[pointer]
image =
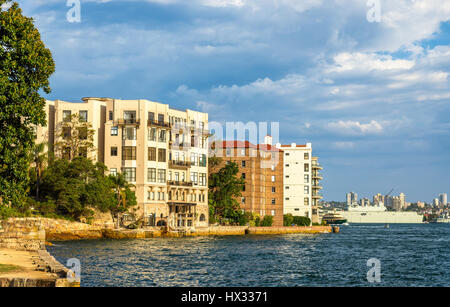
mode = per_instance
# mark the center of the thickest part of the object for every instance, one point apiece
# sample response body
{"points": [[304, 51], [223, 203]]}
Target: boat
{"points": [[334, 219]]}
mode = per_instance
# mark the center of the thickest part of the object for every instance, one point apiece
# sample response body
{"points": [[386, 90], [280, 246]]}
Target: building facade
{"points": [[261, 166], [316, 187], [161, 151], [297, 179]]}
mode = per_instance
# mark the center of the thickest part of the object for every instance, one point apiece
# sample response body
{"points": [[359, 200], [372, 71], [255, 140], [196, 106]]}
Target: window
{"points": [[152, 134], [306, 178], [287, 187], [306, 190], [242, 152], [243, 188], [113, 151], [67, 114], [243, 200], [161, 176], [128, 153], [129, 174], [129, 117], [306, 156], [202, 218], [287, 165], [228, 152], [129, 133], [194, 178], [151, 117], [243, 163], [202, 179], [151, 175], [83, 116], [162, 135], [114, 131], [272, 212], [177, 176], [243, 176], [306, 167], [273, 178], [161, 118], [306, 200], [193, 141], [194, 159], [161, 155], [202, 160], [113, 171], [273, 167], [273, 201], [287, 154], [111, 117], [152, 154], [273, 189]]}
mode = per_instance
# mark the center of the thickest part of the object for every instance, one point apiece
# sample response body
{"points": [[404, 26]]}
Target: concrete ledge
{"points": [[288, 230]]}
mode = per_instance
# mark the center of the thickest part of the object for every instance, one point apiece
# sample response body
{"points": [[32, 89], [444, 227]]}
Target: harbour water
{"points": [[410, 255]]}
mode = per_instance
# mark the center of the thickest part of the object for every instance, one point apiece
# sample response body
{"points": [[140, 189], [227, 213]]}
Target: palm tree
{"points": [[39, 159], [125, 199]]}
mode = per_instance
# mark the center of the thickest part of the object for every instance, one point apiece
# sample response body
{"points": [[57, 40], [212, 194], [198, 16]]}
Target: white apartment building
{"points": [[297, 179]]}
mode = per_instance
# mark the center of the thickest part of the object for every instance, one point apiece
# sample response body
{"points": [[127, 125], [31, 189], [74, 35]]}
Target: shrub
{"points": [[267, 221]]}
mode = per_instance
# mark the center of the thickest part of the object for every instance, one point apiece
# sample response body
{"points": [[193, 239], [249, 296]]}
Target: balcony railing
{"points": [[129, 121], [158, 123], [179, 164], [180, 183]]}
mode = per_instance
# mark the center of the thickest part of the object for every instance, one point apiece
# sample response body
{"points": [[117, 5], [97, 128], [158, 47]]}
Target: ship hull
{"points": [[382, 217]]}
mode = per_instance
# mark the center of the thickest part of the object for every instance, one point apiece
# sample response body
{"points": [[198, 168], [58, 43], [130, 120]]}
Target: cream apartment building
{"points": [[298, 181], [161, 151]]}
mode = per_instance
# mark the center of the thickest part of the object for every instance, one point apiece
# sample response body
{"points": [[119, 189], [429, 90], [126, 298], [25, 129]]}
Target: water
{"points": [[410, 255]]}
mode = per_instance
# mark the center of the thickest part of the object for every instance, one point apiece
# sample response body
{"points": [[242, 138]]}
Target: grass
{"points": [[8, 268]]}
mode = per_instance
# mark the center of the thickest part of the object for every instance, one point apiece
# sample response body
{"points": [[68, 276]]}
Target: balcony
{"points": [[127, 122], [179, 164], [316, 187], [317, 166], [154, 123], [178, 146], [317, 196], [317, 177], [180, 183]]}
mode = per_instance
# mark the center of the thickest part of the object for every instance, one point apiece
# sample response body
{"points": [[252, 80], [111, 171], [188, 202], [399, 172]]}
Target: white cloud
{"points": [[368, 62], [355, 127]]}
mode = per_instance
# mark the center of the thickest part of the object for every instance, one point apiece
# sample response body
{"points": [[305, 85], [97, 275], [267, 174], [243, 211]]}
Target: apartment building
{"points": [[261, 166], [161, 151], [316, 187], [297, 179]]}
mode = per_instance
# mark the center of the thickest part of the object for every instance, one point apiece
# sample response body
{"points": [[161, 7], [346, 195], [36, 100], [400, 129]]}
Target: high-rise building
{"points": [[352, 199], [316, 187], [161, 151], [378, 199], [402, 198], [298, 179], [443, 199]]}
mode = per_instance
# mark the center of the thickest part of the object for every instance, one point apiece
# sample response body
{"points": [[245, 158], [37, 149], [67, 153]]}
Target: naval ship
{"points": [[377, 214]]}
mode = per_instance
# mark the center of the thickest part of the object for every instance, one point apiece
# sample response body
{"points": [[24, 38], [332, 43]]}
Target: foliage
{"points": [[39, 158], [25, 67], [267, 221], [75, 138], [289, 220], [224, 187], [124, 197], [73, 188]]}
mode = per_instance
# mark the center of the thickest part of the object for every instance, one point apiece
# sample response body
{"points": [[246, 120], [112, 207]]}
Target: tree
{"points": [[75, 137], [224, 188], [25, 67], [39, 157], [125, 198]]}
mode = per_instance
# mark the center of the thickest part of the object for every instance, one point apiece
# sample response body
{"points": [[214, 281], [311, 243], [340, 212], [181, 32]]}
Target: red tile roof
{"points": [[247, 144]]}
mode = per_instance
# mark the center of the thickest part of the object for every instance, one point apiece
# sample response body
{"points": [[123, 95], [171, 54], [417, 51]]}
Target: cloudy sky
{"points": [[372, 97]]}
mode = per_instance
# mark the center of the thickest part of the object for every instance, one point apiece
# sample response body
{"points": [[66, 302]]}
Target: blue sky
{"points": [[373, 98]]}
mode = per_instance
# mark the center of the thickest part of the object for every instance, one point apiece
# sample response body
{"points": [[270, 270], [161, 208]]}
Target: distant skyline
{"points": [[372, 97]]}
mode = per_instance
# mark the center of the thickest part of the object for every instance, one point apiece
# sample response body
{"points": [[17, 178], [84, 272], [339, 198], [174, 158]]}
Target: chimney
{"points": [[268, 140]]}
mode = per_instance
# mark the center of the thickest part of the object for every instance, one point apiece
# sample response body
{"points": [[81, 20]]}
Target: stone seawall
{"points": [[288, 230], [22, 234]]}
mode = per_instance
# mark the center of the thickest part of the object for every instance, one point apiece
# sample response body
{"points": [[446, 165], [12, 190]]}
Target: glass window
{"points": [[129, 117], [161, 175], [273, 178], [111, 117], [113, 171], [273, 201], [67, 115], [114, 151], [161, 118], [306, 178], [152, 154], [129, 174], [83, 116], [162, 135], [306, 201], [243, 163], [306, 156], [129, 133], [152, 134], [161, 155], [203, 179], [128, 153], [151, 175], [114, 131], [151, 117], [306, 167], [273, 189], [306, 189]]}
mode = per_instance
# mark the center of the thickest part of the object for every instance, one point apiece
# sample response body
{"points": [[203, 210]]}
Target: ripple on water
{"points": [[410, 255]]}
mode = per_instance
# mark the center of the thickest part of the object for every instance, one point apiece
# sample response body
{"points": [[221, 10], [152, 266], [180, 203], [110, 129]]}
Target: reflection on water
{"points": [[410, 255]]}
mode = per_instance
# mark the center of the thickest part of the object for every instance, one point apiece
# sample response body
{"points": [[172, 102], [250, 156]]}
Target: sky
{"points": [[372, 96]]}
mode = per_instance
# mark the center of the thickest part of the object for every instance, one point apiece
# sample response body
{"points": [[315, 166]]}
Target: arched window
{"points": [[202, 218]]}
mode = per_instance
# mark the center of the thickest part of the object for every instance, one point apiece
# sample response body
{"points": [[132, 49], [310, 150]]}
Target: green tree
{"points": [[125, 198], [75, 137], [267, 221], [224, 188], [25, 67], [39, 158]]}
